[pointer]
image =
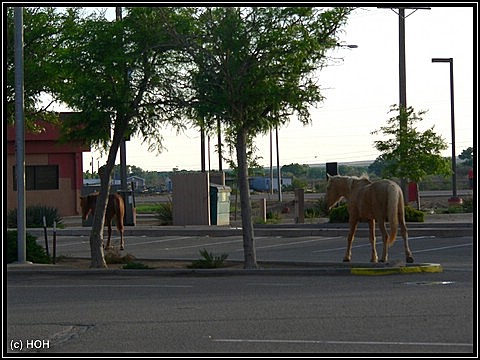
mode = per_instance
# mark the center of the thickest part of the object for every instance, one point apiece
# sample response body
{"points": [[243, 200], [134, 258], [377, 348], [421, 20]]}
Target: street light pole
{"points": [[454, 199]]}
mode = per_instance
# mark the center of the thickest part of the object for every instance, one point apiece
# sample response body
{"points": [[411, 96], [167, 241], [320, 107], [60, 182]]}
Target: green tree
{"points": [[40, 47], [295, 170], [409, 153], [255, 68], [467, 156], [120, 77]]}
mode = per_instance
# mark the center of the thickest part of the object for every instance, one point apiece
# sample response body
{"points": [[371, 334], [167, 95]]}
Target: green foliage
{"points": [[41, 49], [467, 156], [468, 205], [273, 217], [164, 213], [295, 170], [414, 215], [338, 214], [34, 252], [209, 261], [146, 208], [320, 207], [407, 152], [136, 265], [34, 217]]}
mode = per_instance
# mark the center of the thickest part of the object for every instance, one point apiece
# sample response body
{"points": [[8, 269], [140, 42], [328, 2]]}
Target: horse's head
{"points": [[334, 192], [87, 204]]}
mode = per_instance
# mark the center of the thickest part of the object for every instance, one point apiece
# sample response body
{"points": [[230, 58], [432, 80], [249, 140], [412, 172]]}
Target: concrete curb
{"points": [[295, 269]]}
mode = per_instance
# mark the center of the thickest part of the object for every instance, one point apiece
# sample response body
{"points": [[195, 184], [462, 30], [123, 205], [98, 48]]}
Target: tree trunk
{"points": [[245, 205], [96, 235]]}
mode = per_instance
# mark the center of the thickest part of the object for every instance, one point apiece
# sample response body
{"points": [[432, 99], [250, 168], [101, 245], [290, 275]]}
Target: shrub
{"points": [[164, 213], [414, 215], [136, 265], [34, 216], [468, 205], [209, 261], [319, 209], [338, 214], [113, 256], [34, 252]]}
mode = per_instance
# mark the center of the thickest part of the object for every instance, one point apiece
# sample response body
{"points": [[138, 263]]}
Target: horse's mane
{"points": [[364, 176]]}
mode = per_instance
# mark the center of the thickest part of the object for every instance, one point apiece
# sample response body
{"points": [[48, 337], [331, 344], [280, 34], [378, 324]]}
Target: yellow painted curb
{"points": [[429, 268]]}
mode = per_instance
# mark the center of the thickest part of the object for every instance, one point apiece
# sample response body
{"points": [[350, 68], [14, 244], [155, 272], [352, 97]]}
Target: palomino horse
{"points": [[380, 200], [115, 207]]}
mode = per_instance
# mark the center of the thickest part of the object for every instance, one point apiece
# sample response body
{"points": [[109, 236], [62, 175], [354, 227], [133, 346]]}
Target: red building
{"points": [[53, 171]]}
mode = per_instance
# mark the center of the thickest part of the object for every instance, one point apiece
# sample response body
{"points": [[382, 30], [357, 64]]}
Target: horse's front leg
{"points": [[371, 225], [351, 234]]}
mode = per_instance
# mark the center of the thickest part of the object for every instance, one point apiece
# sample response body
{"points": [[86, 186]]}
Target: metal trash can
{"points": [[219, 204]]}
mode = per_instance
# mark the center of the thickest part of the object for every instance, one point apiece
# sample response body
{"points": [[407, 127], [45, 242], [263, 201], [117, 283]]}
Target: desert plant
{"points": [[34, 216], [164, 213], [209, 261]]}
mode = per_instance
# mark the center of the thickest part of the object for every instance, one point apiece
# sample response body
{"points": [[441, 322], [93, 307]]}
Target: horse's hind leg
{"points": [[122, 242], [109, 235], [383, 230], [371, 225], [408, 252]]}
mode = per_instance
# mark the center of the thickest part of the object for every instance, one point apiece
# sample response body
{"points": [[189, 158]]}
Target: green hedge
{"points": [[339, 214], [34, 252]]}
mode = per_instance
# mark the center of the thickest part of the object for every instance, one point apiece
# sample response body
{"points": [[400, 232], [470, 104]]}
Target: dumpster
{"points": [[219, 204]]}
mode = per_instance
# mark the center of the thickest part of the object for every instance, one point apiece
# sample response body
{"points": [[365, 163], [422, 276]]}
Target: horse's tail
{"points": [[395, 206]]}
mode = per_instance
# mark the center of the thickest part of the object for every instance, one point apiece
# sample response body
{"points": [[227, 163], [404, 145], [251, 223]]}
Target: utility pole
{"points": [[402, 75], [279, 171], [219, 135], [123, 150], [20, 136]]}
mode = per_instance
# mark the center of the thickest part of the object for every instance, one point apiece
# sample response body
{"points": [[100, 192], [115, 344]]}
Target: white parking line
{"points": [[294, 243], [442, 248], [340, 248]]}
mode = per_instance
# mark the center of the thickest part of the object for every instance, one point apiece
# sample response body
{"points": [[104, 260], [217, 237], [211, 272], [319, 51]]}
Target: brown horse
{"points": [[380, 200], [115, 207]]}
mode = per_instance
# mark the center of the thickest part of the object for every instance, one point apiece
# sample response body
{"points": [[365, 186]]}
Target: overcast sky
{"points": [[359, 91]]}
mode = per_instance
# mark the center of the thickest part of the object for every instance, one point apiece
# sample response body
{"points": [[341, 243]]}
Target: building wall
{"points": [[44, 149], [66, 199]]}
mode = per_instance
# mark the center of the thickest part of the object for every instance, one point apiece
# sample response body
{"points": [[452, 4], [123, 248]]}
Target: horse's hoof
{"points": [[346, 260], [382, 260], [122, 248], [409, 259], [374, 261]]}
